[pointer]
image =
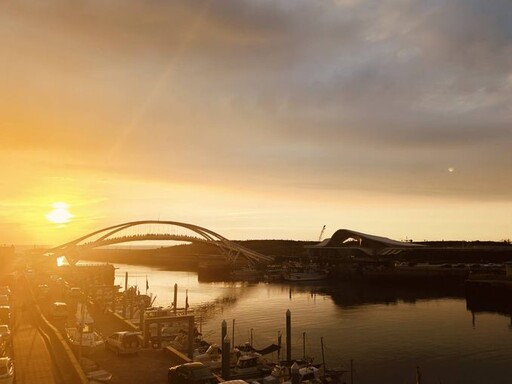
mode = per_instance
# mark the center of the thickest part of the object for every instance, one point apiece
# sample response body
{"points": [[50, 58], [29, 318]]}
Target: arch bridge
{"points": [[189, 233]]}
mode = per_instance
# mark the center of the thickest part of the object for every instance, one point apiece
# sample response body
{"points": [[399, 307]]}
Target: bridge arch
{"points": [[114, 235]]}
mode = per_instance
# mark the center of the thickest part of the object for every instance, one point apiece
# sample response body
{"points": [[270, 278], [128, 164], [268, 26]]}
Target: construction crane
{"points": [[321, 233]]}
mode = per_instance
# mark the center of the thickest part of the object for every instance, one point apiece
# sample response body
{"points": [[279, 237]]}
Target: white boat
{"points": [[250, 365], [88, 341], [212, 358]]}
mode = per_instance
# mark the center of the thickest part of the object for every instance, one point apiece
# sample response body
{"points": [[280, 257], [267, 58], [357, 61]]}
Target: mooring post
{"points": [[175, 298], [279, 344], [233, 334], [125, 299], [294, 370], [223, 331], [191, 336], [288, 335], [114, 296], [131, 306], [225, 357], [142, 309], [304, 345], [323, 355]]}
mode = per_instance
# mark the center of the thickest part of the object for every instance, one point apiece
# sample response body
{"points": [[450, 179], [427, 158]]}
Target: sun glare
{"points": [[60, 214]]}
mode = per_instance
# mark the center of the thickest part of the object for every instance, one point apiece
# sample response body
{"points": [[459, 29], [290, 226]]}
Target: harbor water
{"points": [[386, 332]]}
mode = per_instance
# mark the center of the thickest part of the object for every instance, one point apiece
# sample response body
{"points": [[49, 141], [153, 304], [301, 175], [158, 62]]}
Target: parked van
{"points": [[123, 342], [58, 310]]}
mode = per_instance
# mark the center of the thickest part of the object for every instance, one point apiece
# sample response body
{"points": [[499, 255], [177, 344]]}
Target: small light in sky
{"points": [[451, 169]]}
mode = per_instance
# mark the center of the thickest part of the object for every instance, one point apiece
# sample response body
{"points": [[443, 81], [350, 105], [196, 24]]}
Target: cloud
{"points": [[276, 91]]}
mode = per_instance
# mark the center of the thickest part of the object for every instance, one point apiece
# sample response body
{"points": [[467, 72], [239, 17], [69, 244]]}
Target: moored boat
{"points": [[87, 341], [306, 275], [212, 358], [250, 365], [281, 373]]}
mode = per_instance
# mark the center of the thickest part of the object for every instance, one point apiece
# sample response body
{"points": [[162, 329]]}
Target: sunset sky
{"points": [[257, 119]]}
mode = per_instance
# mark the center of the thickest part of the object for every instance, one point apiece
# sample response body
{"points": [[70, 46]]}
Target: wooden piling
{"points": [[304, 345], [223, 331], [175, 304], [288, 335], [279, 343], [351, 371], [295, 373], [418, 375], [225, 357], [125, 297], [323, 354], [233, 334]]}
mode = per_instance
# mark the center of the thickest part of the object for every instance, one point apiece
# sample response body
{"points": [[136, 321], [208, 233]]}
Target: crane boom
{"points": [[321, 233]]}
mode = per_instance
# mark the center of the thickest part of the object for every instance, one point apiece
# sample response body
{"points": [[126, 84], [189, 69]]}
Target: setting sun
{"points": [[59, 214]]}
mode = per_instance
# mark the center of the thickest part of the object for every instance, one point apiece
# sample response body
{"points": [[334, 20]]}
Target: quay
{"points": [[42, 354]]}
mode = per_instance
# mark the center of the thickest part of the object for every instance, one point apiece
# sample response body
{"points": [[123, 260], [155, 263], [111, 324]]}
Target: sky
{"points": [[257, 119]]}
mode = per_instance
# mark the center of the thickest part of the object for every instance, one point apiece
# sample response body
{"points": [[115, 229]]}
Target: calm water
{"points": [[387, 332]]}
